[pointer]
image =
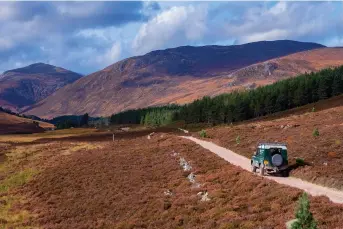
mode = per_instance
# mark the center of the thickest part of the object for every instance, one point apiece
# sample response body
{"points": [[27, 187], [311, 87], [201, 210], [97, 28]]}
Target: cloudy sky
{"points": [[88, 36]]}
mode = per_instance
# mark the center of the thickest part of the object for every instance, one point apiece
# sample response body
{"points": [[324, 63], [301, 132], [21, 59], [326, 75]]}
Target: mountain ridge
{"points": [[160, 77], [27, 85]]}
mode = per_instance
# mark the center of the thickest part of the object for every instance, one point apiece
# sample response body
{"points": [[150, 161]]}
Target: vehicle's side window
{"points": [[257, 152]]}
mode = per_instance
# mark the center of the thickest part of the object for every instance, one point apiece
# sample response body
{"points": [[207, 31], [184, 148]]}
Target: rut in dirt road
{"points": [[335, 196]]}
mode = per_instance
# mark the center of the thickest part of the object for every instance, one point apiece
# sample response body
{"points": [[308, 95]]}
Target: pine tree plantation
{"points": [[243, 105]]}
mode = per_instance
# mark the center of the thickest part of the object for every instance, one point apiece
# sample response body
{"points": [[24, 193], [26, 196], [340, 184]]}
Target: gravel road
{"points": [[335, 196]]}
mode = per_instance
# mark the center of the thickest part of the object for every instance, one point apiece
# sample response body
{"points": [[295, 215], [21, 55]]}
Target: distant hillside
{"points": [[12, 124], [291, 65], [160, 77], [25, 86]]}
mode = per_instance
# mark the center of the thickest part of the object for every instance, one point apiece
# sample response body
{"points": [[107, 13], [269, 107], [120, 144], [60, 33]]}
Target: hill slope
{"points": [[295, 127], [291, 65], [166, 76], [11, 124], [26, 86]]}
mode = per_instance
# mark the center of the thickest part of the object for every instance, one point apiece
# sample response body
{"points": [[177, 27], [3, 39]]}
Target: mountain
{"points": [[288, 66], [176, 75], [25, 86]]}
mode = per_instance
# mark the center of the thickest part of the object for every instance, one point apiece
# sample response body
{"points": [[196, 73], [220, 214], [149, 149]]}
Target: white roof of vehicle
{"points": [[272, 145]]}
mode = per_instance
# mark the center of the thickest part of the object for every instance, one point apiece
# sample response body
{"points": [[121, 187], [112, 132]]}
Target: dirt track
{"points": [[243, 162]]}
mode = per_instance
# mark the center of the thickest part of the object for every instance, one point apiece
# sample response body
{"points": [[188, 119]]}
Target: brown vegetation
{"points": [[323, 153], [289, 66], [11, 124], [123, 184]]}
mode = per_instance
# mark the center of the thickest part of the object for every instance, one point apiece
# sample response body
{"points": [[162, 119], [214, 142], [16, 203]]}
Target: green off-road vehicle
{"points": [[270, 157]]}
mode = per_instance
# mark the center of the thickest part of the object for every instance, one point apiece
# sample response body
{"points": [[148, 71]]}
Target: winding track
{"points": [[335, 196]]}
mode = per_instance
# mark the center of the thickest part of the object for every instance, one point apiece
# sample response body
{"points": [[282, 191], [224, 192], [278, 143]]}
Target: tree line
{"points": [[68, 121], [242, 105], [152, 116], [280, 96]]}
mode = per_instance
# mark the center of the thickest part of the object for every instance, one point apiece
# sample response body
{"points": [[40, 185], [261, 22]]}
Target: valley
{"points": [[145, 168], [171, 115]]}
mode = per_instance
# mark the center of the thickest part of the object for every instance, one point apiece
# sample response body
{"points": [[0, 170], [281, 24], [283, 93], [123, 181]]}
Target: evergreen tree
{"points": [[281, 102], [304, 217], [324, 87], [337, 84], [84, 120]]}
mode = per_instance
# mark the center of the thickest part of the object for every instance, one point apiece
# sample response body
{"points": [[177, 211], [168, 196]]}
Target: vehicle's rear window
{"points": [[275, 151]]}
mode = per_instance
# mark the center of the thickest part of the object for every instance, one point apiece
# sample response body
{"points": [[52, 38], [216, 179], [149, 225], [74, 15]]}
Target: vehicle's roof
{"points": [[271, 145]]}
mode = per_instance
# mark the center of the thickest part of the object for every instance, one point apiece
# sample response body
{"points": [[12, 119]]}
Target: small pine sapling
{"points": [[315, 132], [303, 215]]}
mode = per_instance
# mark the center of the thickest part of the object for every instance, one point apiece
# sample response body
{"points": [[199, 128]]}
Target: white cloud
{"points": [[335, 41], [5, 43], [285, 20], [78, 9], [279, 8], [111, 56], [88, 36], [269, 35], [7, 10], [175, 26], [81, 36]]}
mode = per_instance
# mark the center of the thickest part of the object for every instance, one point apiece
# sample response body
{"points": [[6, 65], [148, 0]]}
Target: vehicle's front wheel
{"points": [[262, 170], [253, 168]]}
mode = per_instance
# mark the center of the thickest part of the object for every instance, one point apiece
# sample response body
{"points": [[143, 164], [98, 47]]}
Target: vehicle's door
{"points": [[256, 157]]}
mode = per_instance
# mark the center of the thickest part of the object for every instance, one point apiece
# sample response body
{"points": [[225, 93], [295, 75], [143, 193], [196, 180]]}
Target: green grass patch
{"points": [[16, 180]]}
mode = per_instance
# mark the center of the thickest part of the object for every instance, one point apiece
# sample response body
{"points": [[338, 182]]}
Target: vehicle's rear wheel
{"points": [[285, 173], [262, 170], [253, 168]]}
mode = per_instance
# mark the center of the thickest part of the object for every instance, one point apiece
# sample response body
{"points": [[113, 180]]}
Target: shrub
{"points": [[300, 161], [166, 205], [203, 134], [238, 140], [315, 132], [313, 109], [303, 215]]}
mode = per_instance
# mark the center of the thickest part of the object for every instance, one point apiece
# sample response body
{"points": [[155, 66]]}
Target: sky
{"points": [[88, 36]]}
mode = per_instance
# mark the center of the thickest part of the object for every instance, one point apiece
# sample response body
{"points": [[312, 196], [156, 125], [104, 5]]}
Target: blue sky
{"points": [[88, 36]]}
